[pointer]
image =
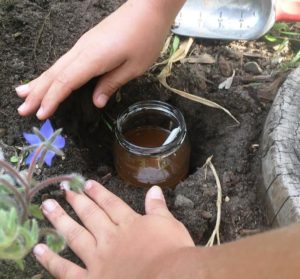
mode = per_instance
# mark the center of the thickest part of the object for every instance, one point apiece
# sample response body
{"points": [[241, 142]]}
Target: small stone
{"points": [[206, 215], [225, 67], [2, 132], [103, 170], [253, 67], [1, 154], [182, 201], [227, 199]]}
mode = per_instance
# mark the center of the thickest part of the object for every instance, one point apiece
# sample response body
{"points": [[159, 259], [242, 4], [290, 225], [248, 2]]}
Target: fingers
{"points": [[69, 73], [37, 88], [118, 211], [57, 265], [77, 237], [111, 82], [53, 87], [91, 215], [23, 90], [155, 203]]}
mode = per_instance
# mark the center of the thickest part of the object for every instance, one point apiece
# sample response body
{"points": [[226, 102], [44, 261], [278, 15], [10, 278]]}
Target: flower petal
{"points": [[29, 158], [47, 129], [48, 158], [31, 138], [59, 142]]}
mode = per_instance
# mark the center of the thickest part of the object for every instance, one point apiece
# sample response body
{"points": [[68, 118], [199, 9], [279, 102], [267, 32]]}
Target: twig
{"points": [[39, 35], [253, 55], [216, 231]]}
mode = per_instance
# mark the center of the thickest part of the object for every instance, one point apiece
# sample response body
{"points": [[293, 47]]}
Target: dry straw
{"points": [[216, 231], [178, 55]]}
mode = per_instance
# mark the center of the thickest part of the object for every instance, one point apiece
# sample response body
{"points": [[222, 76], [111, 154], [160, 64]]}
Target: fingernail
{"points": [[88, 185], [156, 193], [49, 205], [65, 186], [23, 89], [22, 108], [101, 100], [40, 112], [39, 250]]}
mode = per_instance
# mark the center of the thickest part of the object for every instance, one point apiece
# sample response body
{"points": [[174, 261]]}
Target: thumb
{"points": [[109, 83], [155, 203]]}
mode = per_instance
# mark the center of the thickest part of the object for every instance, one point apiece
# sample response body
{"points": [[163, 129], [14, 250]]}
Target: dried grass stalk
{"points": [[216, 231], [180, 54]]}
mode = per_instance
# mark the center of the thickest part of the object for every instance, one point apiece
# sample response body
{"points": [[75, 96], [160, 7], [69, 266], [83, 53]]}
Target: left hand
{"points": [[118, 49], [115, 241]]}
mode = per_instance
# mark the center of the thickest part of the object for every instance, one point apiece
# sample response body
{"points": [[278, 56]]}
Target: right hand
{"points": [[118, 49], [115, 241]]}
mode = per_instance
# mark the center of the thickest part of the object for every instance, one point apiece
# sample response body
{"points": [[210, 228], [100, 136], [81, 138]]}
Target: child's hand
{"points": [[118, 49], [116, 242]]}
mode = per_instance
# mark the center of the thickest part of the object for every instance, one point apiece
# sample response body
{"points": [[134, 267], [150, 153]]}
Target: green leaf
{"points": [[36, 212], [290, 33], [14, 159], [55, 242], [20, 264], [271, 38], [175, 45], [280, 47], [281, 26], [295, 59], [16, 239], [76, 183]]}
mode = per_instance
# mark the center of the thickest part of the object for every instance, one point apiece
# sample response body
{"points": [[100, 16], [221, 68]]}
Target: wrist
{"points": [[184, 262]]}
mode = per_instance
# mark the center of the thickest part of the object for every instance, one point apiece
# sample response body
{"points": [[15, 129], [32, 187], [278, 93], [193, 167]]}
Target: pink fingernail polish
{"points": [[39, 250], [22, 89], [49, 205]]}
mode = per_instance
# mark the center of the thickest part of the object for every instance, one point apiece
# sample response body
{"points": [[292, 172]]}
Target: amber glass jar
{"points": [[151, 145]]}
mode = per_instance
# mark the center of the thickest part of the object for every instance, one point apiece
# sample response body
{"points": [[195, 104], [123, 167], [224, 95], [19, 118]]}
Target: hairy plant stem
{"points": [[8, 168], [33, 163], [18, 196], [40, 186], [40, 162]]}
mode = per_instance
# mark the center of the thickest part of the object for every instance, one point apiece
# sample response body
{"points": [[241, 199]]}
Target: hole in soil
{"points": [[211, 132], [91, 128]]}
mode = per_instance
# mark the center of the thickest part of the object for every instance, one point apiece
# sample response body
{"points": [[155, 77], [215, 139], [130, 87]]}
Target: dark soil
{"points": [[34, 33]]}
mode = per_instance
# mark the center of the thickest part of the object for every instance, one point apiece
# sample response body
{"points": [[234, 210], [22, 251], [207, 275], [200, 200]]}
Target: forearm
{"points": [[170, 8], [273, 255], [167, 9]]}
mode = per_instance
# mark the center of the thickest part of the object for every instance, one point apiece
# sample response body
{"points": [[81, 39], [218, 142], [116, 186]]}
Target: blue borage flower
{"points": [[52, 140]]}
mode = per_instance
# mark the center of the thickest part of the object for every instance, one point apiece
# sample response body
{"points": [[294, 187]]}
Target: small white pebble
{"points": [[227, 199]]}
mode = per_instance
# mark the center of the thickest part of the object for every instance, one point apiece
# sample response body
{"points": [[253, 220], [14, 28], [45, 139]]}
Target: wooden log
{"points": [[281, 154]]}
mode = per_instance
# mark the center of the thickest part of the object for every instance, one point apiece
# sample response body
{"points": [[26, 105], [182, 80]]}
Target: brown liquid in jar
{"points": [[165, 170]]}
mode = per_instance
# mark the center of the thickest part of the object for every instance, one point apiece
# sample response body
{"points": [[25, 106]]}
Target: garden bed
{"points": [[34, 34]]}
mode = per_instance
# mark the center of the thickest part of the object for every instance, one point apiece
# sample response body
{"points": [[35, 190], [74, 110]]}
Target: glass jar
{"points": [[151, 145]]}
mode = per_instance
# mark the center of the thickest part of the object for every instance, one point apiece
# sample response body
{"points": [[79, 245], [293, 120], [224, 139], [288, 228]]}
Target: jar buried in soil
{"points": [[141, 154]]}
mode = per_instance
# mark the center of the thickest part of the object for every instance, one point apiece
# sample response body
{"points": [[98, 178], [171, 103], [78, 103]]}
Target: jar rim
{"points": [[156, 106]]}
